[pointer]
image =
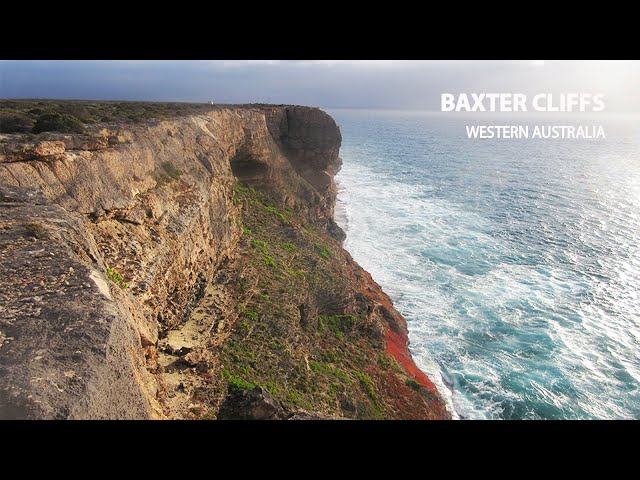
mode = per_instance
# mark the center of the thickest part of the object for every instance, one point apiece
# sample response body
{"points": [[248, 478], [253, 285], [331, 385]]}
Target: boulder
{"points": [[256, 404], [202, 360]]}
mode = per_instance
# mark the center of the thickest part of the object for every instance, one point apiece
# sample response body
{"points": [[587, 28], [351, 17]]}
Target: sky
{"points": [[387, 84]]}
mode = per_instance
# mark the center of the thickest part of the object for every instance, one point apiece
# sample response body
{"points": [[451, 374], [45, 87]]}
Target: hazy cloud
{"points": [[327, 83]]}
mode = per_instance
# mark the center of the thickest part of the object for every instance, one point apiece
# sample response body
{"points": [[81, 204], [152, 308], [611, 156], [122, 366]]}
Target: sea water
{"points": [[516, 262]]}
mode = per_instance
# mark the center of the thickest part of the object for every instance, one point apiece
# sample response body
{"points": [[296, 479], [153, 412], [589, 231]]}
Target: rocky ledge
{"points": [[189, 267]]}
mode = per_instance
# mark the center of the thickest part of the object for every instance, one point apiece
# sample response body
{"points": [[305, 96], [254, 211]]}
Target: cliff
{"points": [[189, 267]]}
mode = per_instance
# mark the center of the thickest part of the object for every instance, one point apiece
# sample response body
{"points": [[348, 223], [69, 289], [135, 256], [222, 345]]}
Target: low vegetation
{"points": [[15, 122], [292, 335], [116, 277], [411, 383], [71, 116], [337, 324], [289, 246], [57, 122], [324, 251]]}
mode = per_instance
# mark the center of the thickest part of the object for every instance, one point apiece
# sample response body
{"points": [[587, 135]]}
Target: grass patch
{"points": [[326, 369], [241, 352], [246, 369], [367, 384], [272, 388], [324, 251], [269, 261], [244, 190], [251, 314], [282, 216], [237, 384], [337, 324], [246, 231], [384, 361], [116, 277], [289, 246], [296, 273], [329, 357], [295, 398], [261, 245]]}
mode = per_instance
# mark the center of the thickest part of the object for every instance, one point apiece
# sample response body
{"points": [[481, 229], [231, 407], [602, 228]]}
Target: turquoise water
{"points": [[515, 262]]}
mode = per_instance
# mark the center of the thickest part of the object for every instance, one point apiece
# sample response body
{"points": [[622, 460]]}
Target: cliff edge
{"points": [[188, 266]]}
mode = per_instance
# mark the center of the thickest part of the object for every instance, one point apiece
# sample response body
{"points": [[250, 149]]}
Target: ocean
{"points": [[516, 262]]}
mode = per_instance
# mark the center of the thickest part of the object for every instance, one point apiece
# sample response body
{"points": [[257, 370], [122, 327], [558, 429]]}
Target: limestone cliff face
{"points": [[157, 204]]}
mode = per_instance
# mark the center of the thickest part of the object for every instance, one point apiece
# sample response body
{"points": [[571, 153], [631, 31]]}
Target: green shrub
{"points": [[324, 251], [116, 277], [329, 357], [383, 361], [338, 324], [269, 261], [367, 384], [277, 213], [251, 314], [240, 189], [319, 367], [295, 398], [327, 369], [413, 384], [14, 122], [289, 246], [296, 273], [237, 384], [91, 112], [261, 245], [57, 122], [272, 387], [76, 110]]}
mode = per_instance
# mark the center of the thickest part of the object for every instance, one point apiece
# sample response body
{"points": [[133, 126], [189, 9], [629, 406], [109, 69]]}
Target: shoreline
{"points": [[397, 339]]}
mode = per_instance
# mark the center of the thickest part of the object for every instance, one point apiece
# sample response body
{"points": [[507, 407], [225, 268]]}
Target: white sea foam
{"points": [[519, 275]]}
